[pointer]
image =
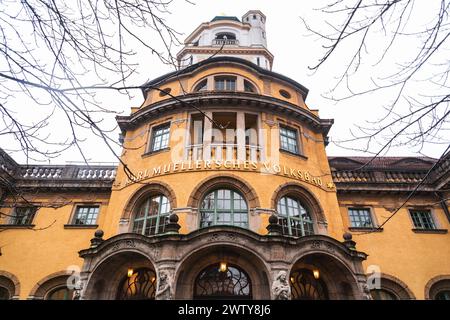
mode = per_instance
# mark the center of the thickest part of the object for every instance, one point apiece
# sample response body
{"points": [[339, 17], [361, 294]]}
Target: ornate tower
{"points": [[229, 36]]}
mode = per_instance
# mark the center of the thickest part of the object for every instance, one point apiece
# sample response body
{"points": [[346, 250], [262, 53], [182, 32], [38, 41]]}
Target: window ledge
{"points": [[294, 154], [438, 231], [150, 153], [17, 226], [372, 229], [80, 226]]}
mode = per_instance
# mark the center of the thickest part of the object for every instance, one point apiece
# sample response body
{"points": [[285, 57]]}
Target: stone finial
{"points": [[274, 227], [98, 238], [173, 226], [348, 242]]}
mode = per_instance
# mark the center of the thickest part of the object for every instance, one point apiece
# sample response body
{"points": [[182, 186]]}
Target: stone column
{"points": [[240, 132], [240, 84], [207, 136]]}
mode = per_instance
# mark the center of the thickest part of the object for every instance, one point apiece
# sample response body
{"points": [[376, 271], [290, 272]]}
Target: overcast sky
{"points": [[294, 51]]}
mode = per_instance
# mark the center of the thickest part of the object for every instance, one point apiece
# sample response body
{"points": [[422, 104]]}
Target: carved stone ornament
{"points": [[281, 289], [164, 291]]}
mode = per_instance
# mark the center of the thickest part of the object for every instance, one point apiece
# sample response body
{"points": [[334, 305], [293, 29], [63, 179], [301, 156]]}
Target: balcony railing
{"points": [[71, 172], [223, 151], [226, 42]]}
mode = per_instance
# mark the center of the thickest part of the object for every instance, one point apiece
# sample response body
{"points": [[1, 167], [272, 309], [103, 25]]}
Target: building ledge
{"points": [[436, 231], [369, 229], [294, 154], [17, 226], [151, 153], [80, 226]]}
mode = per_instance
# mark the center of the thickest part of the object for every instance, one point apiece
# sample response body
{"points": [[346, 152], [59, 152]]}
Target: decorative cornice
{"points": [[237, 99]]}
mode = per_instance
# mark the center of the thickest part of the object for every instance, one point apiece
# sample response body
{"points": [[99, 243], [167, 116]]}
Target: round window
{"points": [[285, 94]]}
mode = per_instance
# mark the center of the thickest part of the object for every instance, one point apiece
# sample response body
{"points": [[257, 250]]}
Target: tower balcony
{"points": [[226, 42]]}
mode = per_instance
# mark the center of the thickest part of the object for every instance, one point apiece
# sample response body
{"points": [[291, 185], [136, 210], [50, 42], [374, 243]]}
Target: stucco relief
{"points": [[165, 286], [281, 290]]}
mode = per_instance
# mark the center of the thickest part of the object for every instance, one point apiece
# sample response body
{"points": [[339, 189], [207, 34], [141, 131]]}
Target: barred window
{"points": [[160, 137], [422, 219], [23, 215], [152, 216], [360, 218], [86, 215], [294, 218], [288, 140]]}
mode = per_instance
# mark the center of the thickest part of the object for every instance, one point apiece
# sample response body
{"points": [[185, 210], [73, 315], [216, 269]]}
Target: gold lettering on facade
{"points": [[167, 168], [246, 165]]}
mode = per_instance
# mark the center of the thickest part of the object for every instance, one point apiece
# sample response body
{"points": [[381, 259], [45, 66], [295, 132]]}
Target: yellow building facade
{"points": [[225, 190]]}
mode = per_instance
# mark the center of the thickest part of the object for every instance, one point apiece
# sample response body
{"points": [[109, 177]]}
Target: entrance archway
{"points": [[304, 286], [139, 284], [126, 275], [244, 275], [221, 281], [319, 276]]}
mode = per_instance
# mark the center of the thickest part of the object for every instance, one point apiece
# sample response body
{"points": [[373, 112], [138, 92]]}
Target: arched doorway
{"points": [[222, 271], [221, 281], [320, 276], [305, 286], [138, 285], [126, 275]]}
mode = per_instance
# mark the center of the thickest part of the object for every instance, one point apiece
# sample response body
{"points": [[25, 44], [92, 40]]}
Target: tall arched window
{"points": [[382, 294], [223, 207], [443, 295], [152, 215], [294, 218], [4, 294], [61, 293]]}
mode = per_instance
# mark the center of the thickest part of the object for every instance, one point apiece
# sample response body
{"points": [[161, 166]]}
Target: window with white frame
{"points": [[160, 137], [294, 217], [360, 218], [23, 215], [86, 215], [289, 140], [225, 83], [422, 219]]}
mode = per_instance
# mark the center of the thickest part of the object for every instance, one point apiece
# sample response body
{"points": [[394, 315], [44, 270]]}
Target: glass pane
{"points": [[61, 294]]}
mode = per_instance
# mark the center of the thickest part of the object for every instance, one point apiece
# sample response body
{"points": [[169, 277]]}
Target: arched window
{"points": [[248, 87], [152, 216], [443, 295], [227, 35], [382, 294], [305, 287], [201, 86], [141, 285], [294, 218], [61, 293], [232, 283], [223, 207], [4, 294]]}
